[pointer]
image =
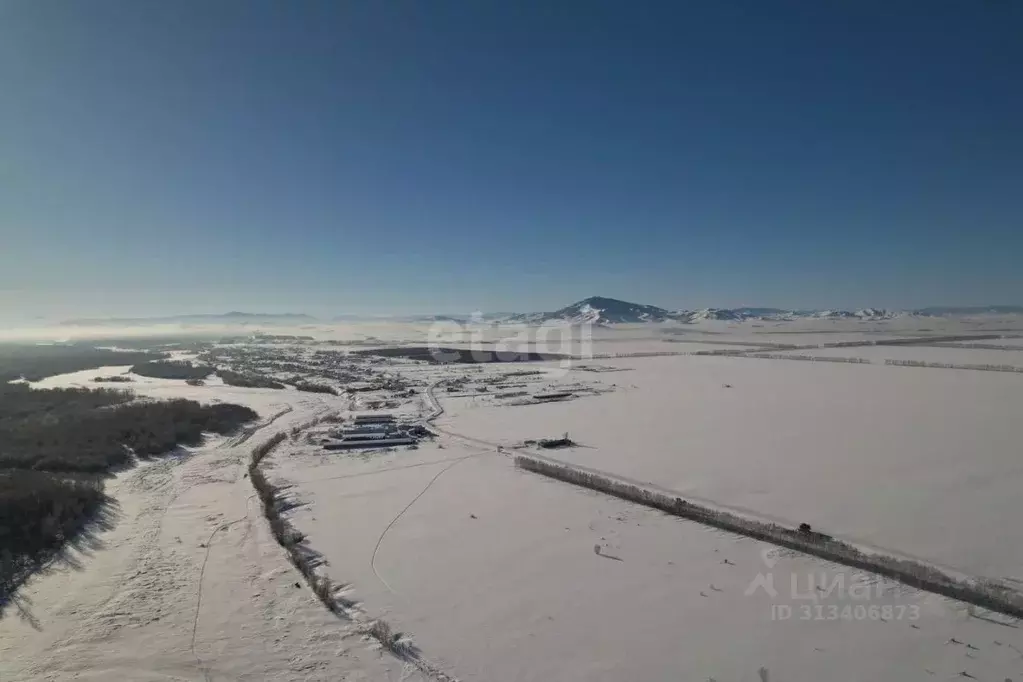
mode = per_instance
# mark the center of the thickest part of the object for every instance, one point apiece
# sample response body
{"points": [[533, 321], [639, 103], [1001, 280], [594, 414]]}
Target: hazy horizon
{"points": [[326, 315]]}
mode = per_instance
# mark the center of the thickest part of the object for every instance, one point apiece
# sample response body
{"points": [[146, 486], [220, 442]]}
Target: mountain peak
{"points": [[604, 310]]}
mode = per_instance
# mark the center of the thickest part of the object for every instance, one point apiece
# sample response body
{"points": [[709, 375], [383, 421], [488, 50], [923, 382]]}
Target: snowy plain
{"points": [[500, 574], [920, 460], [494, 571], [185, 582]]}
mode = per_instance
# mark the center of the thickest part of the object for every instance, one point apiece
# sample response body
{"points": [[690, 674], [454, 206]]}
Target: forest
{"points": [[56, 446], [172, 369], [38, 361]]}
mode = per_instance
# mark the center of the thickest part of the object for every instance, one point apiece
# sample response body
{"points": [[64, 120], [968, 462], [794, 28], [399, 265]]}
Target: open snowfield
{"points": [[493, 570], [920, 460], [501, 574]]}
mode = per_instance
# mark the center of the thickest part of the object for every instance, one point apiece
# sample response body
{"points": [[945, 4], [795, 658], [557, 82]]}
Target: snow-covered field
{"points": [[494, 572], [500, 574], [919, 460], [186, 581]]}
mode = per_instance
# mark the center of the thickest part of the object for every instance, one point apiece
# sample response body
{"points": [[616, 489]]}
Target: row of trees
{"points": [[293, 541], [808, 358], [952, 365], [314, 388], [979, 346]]}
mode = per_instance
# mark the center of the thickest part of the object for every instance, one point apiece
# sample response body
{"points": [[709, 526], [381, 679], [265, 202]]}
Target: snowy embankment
{"points": [[187, 581], [308, 563]]}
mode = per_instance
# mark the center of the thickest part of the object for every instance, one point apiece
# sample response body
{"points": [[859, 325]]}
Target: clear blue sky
{"points": [[441, 155]]}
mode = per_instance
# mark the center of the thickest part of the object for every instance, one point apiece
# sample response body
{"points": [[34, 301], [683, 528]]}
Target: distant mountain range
{"points": [[594, 310], [602, 310], [233, 317]]}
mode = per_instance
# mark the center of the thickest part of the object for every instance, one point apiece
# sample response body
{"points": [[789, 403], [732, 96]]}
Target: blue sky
{"points": [[400, 156]]}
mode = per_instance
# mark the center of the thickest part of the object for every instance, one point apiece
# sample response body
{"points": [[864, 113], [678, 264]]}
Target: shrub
{"points": [[117, 379]]}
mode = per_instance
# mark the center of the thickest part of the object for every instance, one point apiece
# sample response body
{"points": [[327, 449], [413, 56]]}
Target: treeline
{"points": [[952, 365], [977, 346], [438, 355], [315, 388], [916, 574], [728, 352], [810, 358], [92, 431], [159, 343], [53, 446], [35, 362], [756, 344], [20, 403], [654, 354], [928, 340], [306, 561], [247, 380], [172, 369]]}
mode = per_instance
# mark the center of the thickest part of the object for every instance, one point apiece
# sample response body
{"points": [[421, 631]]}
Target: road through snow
{"points": [[186, 584]]}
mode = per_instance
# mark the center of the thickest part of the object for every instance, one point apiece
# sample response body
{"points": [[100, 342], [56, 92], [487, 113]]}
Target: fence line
{"points": [[977, 346], [809, 358]]}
